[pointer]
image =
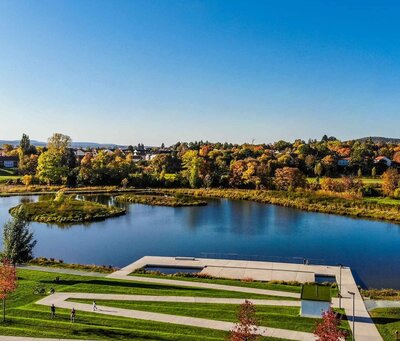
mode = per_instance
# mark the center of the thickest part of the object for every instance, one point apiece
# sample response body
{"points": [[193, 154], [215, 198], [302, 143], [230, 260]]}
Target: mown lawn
{"points": [[8, 174], [365, 180], [387, 321], [223, 281], [270, 316], [25, 318], [382, 200]]}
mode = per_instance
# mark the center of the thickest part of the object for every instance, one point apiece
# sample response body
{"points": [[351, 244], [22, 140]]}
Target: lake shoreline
{"points": [[303, 200]]}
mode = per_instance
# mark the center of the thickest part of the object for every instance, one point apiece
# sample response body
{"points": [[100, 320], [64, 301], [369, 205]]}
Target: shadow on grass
{"points": [[385, 320], [136, 285]]}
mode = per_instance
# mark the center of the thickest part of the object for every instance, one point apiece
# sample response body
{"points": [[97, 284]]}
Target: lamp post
{"points": [[354, 317], [340, 285]]}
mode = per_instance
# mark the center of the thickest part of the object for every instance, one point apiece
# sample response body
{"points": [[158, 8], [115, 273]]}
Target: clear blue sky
{"points": [[166, 71]]}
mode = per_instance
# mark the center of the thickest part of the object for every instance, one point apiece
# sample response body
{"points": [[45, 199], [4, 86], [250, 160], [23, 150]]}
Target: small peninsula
{"points": [[161, 200], [64, 210]]}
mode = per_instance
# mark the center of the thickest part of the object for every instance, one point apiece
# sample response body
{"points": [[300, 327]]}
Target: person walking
{"points": [[94, 306], [53, 311], [73, 313]]}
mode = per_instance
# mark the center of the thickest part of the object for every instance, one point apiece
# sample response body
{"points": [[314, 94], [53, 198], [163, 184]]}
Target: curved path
{"points": [[59, 300]]}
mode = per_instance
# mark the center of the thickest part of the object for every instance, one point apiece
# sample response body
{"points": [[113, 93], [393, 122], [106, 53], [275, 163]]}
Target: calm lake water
{"points": [[370, 248]]}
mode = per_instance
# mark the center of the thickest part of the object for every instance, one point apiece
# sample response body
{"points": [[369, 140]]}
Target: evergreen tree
{"points": [[18, 242]]}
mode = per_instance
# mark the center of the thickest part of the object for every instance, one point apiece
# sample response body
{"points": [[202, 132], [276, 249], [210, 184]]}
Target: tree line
{"points": [[281, 165]]}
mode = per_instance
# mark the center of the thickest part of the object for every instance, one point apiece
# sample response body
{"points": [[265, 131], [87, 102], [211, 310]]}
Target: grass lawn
{"points": [[382, 200], [8, 174], [365, 180], [25, 318], [387, 321], [270, 316], [223, 281]]}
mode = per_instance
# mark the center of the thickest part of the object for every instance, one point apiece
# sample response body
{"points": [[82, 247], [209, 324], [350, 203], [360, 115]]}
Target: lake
{"points": [[244, 230]]}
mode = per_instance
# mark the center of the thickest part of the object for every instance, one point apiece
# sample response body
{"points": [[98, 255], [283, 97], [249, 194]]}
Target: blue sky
{"points": [[166, 71]]}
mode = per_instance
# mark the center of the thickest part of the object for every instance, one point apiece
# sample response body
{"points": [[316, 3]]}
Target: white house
{"points": [[384, 160], [315, 300]]}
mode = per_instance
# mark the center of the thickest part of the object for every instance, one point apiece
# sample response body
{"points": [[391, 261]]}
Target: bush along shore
{"points": [[64, 209], [59, 263], [177, 200], [305, 200]]}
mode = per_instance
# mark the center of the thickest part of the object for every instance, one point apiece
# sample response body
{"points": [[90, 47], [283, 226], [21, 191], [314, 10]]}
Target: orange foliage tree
{"points": [[287, 178], [8, 282], [329, 328], [246, 327]]}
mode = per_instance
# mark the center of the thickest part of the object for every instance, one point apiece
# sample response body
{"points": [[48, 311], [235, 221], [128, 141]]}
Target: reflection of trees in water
{"points": [[239, 217], [26, 200], [242, 217], [287, 220]]}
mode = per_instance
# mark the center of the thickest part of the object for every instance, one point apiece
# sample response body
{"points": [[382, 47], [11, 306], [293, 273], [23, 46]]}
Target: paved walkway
{"points": [[365, 329], [59, 300]]}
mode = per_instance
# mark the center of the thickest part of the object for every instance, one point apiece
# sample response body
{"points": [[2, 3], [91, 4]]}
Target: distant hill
{"points": [[380, 139], [74, 144]]}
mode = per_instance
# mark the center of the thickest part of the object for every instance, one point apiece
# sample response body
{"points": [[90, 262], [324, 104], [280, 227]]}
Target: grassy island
{"points": [[161, 200], [64, 211]]}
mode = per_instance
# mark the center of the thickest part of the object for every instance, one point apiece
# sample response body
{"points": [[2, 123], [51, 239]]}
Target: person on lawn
{"points": [[94, 306], [53, 311], [73, 313]]}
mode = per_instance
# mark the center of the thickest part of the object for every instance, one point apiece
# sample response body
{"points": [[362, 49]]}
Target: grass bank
{"points": [[65, 211], [304, 200], [387, 320], [381, 294], [59, 264], [161, 200]]}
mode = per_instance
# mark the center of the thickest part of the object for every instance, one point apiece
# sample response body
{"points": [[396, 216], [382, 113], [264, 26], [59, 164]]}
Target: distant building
{"points": [[79, 154], [9, 161], [344, 162], [315, 300], [383, 160]]}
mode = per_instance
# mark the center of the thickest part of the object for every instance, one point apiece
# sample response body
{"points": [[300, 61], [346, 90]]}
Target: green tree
{"points": [[373, 172], [191, 164], [18, 241], [25, 145], [51, 167]]}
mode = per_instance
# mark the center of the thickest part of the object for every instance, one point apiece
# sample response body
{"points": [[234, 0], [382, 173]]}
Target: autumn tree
{"points": [[329, 328], [247, 326], [8, 282], [390, 181], [59, 142], [318, 169], [289, 178], [18, 241]]}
